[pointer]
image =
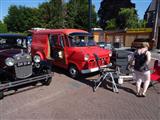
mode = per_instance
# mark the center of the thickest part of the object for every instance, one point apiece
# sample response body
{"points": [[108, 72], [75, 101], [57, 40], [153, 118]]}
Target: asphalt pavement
{"points": [[69, 99], [155, 54]]}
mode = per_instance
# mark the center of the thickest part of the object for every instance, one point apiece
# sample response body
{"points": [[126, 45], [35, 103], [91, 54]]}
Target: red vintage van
{"points": [[71, 49]]}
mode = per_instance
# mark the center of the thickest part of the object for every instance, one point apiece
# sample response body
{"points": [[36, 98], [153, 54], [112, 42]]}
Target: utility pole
{"points": [[155, 35], [89, 15]]}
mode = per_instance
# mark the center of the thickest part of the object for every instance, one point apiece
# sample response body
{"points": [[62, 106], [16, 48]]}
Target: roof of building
{"points": [[152, 6]]}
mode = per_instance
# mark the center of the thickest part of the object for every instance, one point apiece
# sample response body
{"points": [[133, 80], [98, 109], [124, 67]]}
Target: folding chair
{"points": [[126, 71], [155, 75], [106, 74]]}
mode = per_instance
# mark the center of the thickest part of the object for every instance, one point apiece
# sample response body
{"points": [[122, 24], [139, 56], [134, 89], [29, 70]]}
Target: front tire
{"points": [[47, 82], [73, 71]]}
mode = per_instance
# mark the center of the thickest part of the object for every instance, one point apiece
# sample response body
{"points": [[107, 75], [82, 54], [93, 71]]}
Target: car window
{"points": [[57, 40], [61, 38], [81, 41], [54, 40], [105, 45], [13, 42], [2, 41], [22, 42], [108, 46]]}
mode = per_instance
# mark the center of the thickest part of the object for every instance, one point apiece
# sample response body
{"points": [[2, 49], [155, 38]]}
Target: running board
{"points": [[25, 81]]}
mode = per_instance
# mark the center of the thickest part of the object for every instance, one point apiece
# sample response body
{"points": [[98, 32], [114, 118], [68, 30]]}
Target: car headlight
{"points": [[9, 61], [36, 58], [86, 57], [110, 54], [28, 56]]}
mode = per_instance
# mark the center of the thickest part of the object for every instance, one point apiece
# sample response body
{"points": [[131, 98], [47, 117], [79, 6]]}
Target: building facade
{"points": [[123, 37], [152, 16]]}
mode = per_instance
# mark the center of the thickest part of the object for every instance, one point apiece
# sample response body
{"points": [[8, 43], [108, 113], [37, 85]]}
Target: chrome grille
{"points": [[101, 62], [23, 65]]}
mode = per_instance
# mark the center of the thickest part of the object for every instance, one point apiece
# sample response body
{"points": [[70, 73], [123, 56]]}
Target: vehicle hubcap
{"points": [[73, 71]]}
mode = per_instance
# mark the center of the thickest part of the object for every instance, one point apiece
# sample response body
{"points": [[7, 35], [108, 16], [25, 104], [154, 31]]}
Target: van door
{"points": [[57, 49]]}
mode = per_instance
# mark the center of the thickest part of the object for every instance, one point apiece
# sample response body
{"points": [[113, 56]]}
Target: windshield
{"points": [[12, 42], [105, 45], [81, 40]]}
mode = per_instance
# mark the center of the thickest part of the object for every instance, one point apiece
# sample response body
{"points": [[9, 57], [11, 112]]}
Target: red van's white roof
{"points": [[64, 31]]}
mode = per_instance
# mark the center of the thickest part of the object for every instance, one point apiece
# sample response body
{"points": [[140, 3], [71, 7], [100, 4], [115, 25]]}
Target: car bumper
{"points": [[91, 70]]}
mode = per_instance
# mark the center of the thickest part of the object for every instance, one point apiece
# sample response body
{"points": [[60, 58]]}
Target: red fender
{"points": [[40, 54]]}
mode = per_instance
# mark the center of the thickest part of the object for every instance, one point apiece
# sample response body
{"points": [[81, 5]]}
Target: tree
{"points": [[77, 14], [21, 18], [3, 27], [129, 19], [11, 19], [111, 24], [109, 9], [52, 14], [142, 23]]}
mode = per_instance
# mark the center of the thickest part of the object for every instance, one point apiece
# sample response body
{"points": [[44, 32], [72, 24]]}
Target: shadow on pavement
{"points": [[88, 79], [129, 90]]}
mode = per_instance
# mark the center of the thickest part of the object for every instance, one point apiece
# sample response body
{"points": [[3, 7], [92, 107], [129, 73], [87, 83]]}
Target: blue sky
{"points": [[141, 5]]}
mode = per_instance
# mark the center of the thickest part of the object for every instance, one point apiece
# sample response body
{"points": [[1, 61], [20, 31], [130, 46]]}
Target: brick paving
{"points": [[68, 99]]}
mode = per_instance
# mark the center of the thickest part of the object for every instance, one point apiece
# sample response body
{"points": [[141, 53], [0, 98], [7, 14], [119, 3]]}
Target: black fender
{"points": [[5, 75], [45, 65]]}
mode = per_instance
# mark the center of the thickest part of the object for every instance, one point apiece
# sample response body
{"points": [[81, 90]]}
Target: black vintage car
{"points": [[17, 67]]}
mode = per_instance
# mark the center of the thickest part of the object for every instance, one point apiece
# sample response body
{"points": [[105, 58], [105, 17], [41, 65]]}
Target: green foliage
{"points": [[118, 14], [142, 23], [109, 10], [3, 27], [111, 24], [50, 14], [21, 18], [113, 14], [129, 19], [77, 14]]}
